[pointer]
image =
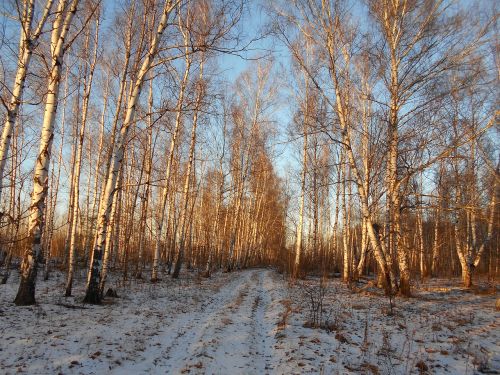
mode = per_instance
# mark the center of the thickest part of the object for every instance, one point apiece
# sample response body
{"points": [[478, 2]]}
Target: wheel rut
{"points": [[229, 333]]}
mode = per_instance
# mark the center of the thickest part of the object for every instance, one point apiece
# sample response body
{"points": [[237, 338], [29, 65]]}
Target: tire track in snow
{"points": [[265, 328], [229, 334], [201, 350], [244, 338], [179, 347]]}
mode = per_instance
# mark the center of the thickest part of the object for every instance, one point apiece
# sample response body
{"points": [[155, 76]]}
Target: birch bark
{"points": [[165, 192], [28, 41], [145, 198], [78, 161], [300, 225], [29, 266], [187, 181]]}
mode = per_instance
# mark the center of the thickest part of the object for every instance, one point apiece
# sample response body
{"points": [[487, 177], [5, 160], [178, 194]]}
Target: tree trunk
{"points": [[29, 266], [185, 198], [165, 192], [300, 225], [145, 198], [27, 42], [87, 87]]}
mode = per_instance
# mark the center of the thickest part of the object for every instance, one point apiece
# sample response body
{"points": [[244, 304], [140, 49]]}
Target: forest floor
{"points": [[250, 322]]}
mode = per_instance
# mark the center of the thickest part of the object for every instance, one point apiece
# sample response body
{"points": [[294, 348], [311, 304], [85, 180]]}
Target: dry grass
{"points": [[287, 304]]}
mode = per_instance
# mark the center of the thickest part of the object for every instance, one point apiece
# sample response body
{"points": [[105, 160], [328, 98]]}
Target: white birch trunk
{"points": [[145, 198], [57, 178], [420, 231], [62, 23], [298, 241], [108, 245], [78, 161], [13, 224], [28, 41], [185, 197], [345, 224], [165, 192]]}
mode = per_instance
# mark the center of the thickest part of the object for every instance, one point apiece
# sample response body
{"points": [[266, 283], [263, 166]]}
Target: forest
{"points": [[288, 172]]}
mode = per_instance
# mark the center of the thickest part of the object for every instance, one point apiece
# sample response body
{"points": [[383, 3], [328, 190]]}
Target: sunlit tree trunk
{"points": [[87, 89], [436, 243], [185, 197], [367, 166], [55, 183], [14, 208], [170, 160], [98, 166], [61, 26], [300, 225], [110, 233], [146, 193], [129, 219], [346, 276], [28, 41]]}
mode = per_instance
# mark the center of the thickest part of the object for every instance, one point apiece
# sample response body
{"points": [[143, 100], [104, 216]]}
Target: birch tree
{"points": [[170, 158], [185, 195], [336, 41], [58, 46], [87, 89], [92, 294], [30, 34]]}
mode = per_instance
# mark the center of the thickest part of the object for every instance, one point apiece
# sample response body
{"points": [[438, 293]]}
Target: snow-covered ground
{"points": [[249, 322]]}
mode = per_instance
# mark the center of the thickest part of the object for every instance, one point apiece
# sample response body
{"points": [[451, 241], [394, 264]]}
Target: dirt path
{"points": [[232, 333]]}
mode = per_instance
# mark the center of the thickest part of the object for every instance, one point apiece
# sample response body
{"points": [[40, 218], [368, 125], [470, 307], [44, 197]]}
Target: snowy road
{"points": [[233, 323], [232, 333], [222, 325]]}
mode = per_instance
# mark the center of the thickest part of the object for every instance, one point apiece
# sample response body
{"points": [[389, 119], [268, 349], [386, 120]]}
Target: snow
{"points": [[248, 322], [445, 330]]}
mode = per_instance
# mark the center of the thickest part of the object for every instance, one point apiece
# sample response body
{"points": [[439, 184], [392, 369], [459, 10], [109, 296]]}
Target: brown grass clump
{"points": [[285, 314]]}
